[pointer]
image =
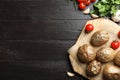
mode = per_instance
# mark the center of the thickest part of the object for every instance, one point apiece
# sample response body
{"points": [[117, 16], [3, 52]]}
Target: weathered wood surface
{"points": [[34, 38]]}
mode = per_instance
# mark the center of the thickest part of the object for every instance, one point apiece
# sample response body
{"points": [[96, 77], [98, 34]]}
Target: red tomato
{"points": [[82, 6], [119, 34], [93, 0], [89, 28], [87, 2], [115, 44], [80, 1]]}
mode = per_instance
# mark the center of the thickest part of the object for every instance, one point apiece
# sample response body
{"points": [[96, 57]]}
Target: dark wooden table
{"points": [[35, 36]]}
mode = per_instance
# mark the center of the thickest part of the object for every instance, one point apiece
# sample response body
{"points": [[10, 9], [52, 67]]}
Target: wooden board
{"points": [[99, 24], [34, 38]]}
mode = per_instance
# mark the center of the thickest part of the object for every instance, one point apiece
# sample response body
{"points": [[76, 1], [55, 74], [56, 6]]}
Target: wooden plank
{"points": [[33, 10], [41, 30], [35, 70], [34, 50]]}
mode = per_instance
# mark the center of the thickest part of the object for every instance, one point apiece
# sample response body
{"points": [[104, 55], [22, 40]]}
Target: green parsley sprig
{"points": [[105, 8]]}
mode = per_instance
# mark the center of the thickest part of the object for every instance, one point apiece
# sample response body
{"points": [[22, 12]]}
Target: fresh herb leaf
{"points": [[105, 8], [113, 10]]}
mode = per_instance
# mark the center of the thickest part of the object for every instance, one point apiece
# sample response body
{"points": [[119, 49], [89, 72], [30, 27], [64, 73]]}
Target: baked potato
{"points": [[99, 38], [105, 54], [93, 68], [86, 53], [117, 58], [111, 72]]}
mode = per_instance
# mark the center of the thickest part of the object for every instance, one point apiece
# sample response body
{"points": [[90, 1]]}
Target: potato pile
{"points": [[92, 55], [95, 59]]}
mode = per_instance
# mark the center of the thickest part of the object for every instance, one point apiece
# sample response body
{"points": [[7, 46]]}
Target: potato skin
{"points": [[105, 54], [117, 58], [93, 68], [111, 72], [99, 38], [86, 53]]}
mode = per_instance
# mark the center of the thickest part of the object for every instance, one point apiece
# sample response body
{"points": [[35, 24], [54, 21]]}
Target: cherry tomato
{"points": [[93, 0], [89, 28], [80, 1], [119, 34], [82, 6], [115, 44], [87, 2]]}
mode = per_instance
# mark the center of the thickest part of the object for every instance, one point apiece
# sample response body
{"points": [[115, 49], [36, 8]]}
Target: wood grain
{"points": [[58, 30], [34, 38]]}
